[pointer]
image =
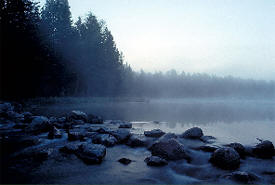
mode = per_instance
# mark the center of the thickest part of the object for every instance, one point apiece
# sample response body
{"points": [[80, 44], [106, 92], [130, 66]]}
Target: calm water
{"points": [[229, 120]]}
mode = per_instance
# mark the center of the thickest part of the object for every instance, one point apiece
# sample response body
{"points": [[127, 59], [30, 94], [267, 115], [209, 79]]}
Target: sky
{"points": [[219, 37]]}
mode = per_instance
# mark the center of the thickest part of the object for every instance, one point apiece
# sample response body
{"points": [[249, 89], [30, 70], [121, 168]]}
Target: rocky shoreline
{"points": [[28, 140]]}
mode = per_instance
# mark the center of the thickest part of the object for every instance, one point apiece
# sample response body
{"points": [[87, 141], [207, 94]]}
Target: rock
{"points": [[28, 117], [125, 161], [239, 148], [96, 120], [38, 125], [206, 148], [125, 125], [74, 135], [91, 153], [104, 139], [121, 134], [154, 133], [168, 136], [226, 158], [71, 148], [78, 115], [193, 133], [54, 133], [207, 139], [29, 141], [37, 154], [155, 161], [242, 177], [136, 141], [61, 120], [17, 107], [169, 149], [264, 150]]}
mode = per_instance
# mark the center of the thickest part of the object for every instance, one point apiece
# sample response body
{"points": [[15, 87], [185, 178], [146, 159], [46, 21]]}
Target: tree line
{"points": [[44, 53]]}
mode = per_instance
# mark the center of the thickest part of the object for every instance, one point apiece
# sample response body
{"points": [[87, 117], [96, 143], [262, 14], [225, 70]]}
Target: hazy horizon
{"points": [[227, 37]]}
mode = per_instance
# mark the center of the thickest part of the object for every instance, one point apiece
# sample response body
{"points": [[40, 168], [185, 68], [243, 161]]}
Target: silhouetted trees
{"points": [[43, 53]]}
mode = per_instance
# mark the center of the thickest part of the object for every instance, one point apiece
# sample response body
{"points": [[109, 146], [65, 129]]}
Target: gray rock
{"points": [[125, 161], [125, 125], [193, 133], [155, 161], [226, 158], [136, 141], [154, 133], [242, 177], [264, 150], [169, 149], [74, 135], [122, 134], [91, 153], [239, 148], [168, 136], [78, 115], [104, 139]]}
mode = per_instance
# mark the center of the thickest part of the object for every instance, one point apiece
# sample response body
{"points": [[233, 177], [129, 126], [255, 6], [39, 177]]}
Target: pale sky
{"points": [[221, 37]]}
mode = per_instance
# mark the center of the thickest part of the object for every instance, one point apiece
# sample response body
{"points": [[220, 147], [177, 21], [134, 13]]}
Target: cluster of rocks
{"points": [[88, 137]]}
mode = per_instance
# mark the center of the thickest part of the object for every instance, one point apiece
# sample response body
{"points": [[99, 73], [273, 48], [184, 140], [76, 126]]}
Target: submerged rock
{"points": [[125, 161], [226, 158], [169, 149], [91, 153], [154, 133], [104, 139], [264, 150], [193, 133], [155, 161], [239, 148], [242, 177]]}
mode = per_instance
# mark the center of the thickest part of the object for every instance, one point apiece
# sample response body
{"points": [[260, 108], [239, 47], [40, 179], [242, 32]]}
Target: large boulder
{"points": [[155, 161], [239, 148], [38, 125], [169, 149], [105, 139], [193, 133], [136, 141], [91, 153], [226, 158], [78, 115], [154, 133], [264, 150]]}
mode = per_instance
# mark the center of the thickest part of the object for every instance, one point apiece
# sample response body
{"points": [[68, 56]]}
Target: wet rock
{"points": [[125, 125], [38, 125], [36, 154], [239, 148], [169, 149], [207, 139], [71, 148], [264, 150], [91, 153], [74, 135], [168, 136], [154, 133], [206, 148], [78, 115], [155, 161], [226, 158], [96, 120], [242, 177], [121, 134], [193, 133], [136, 141], [105, 139], [125, 161], [54, 133]]}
